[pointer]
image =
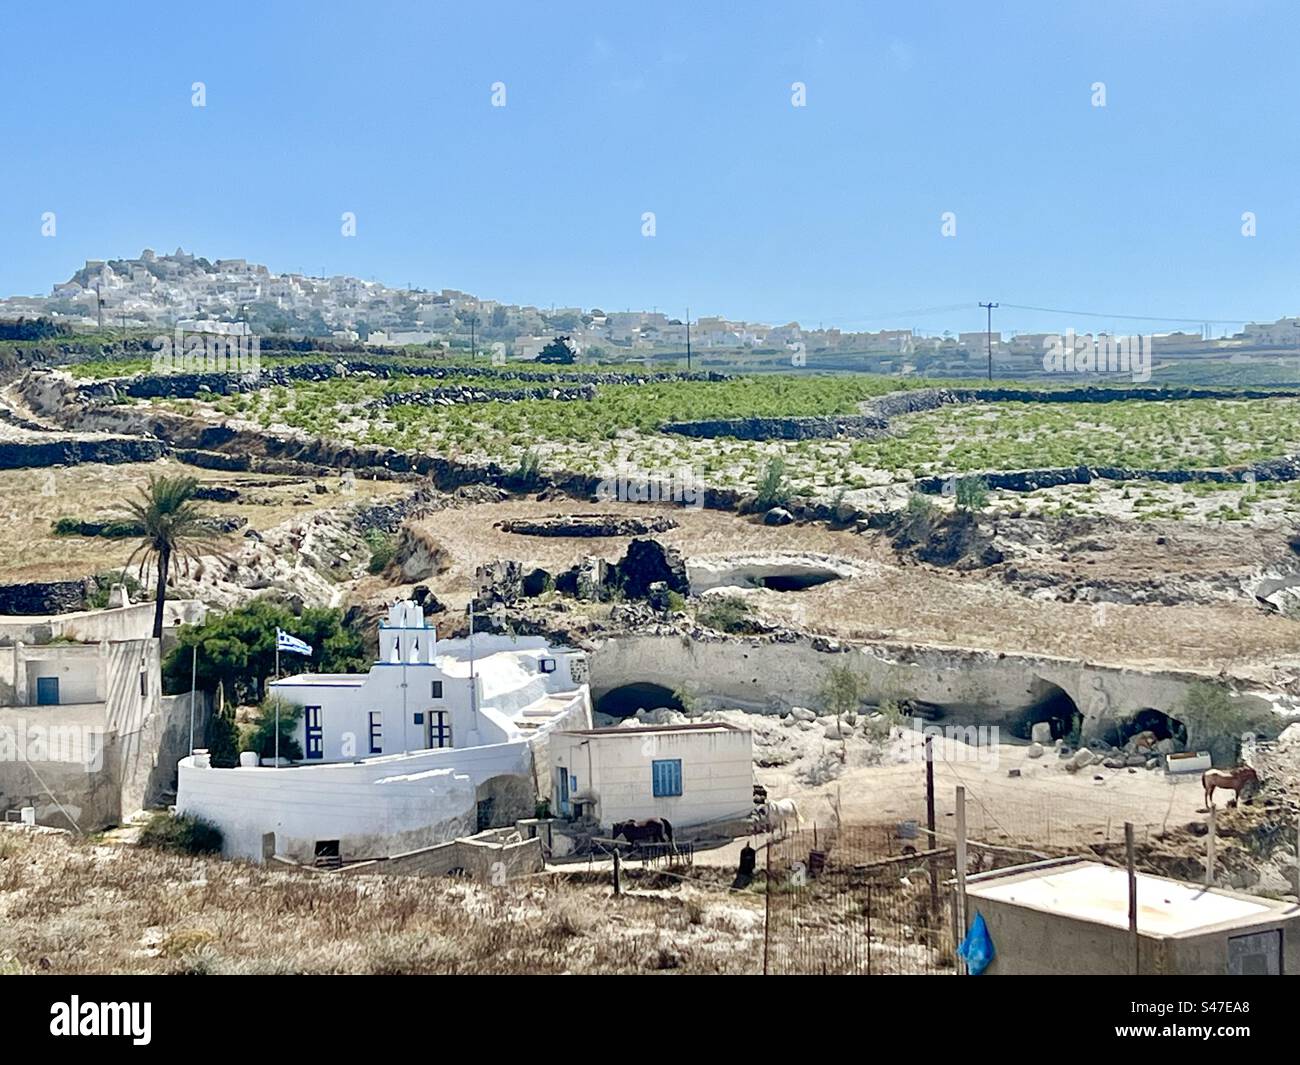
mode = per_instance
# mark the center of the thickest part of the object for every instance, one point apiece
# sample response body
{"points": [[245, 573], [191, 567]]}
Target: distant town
{"points": [[156, 290]]}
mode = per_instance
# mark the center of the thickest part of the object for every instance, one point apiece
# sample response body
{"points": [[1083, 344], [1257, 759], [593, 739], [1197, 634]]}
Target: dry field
{"points": [[895, 600], [31, 500], [78, 906]]}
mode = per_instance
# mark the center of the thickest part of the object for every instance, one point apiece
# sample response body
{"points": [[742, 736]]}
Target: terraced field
{"points": [[617, 431]]}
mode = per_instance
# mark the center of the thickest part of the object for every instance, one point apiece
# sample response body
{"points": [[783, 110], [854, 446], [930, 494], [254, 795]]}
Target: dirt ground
{"points": [[895, 599], [31, 500]]}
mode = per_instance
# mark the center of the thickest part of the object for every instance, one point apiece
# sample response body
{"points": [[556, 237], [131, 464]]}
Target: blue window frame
{"points": [[417, 719], [376, 732], [666, 777], [313, 732]]}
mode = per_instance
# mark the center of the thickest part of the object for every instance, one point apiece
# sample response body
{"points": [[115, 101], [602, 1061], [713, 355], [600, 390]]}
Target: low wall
{"points": [[370, 815], [484, 857], [375, 807]]}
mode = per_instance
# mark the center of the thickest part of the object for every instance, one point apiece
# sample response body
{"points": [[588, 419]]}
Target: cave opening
{"points": [[627, 699]]}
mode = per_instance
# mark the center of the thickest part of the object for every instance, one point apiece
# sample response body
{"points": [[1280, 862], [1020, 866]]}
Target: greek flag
{"points": [[285, 642]]}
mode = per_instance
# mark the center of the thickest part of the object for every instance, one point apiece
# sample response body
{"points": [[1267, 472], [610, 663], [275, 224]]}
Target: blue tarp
{"points": [[976, 949]]}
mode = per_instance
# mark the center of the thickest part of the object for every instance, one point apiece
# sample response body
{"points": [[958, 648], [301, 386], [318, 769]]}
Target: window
{"points": [[435, 689], [314, 732], [547, 665], [376, 732], [666, 777], [144, 683], [417, 719]]}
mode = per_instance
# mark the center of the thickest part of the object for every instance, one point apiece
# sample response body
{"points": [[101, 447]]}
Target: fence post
{"points": [[931, 835], [961, 866], [767, 909], [1132, 896], [868, 928], [1210, 840], [618, 887]]}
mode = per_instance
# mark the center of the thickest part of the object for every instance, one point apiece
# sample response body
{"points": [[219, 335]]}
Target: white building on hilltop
{"points": [[439, 740]]}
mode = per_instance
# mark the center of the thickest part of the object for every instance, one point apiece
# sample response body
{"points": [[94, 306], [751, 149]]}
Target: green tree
{"points": [[236, 648], [260, 736], [173, 529], [223, 739], [841, 693]]}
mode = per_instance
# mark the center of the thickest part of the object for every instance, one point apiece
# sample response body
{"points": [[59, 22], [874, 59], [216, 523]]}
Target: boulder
{"points": [[778, 516], [1035, 750], [802, 713], [648, 562], [1041, 732], [1082, 757]]}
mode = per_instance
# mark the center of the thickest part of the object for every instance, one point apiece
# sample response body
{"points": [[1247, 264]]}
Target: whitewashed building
{"points": [[438, 740], [693, 775]]}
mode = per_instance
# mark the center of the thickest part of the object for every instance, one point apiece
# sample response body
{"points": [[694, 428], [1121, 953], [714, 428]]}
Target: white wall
{"points": [[375, 807], [717, 773]]}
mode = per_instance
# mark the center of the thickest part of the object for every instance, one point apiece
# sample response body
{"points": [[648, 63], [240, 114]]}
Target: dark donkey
{"points": [[654, 830]]}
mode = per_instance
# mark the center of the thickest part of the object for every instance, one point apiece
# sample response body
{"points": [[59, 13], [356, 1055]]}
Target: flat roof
{"points": [[323, 680], [1092, 891], [616, 730]]}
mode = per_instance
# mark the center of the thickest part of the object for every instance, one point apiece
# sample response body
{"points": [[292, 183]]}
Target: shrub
{"points": [[772, 489], [98, 599], [382, 547], [528, 473], [972, 493], [726, 613], [1216, 725], [181, 834]]}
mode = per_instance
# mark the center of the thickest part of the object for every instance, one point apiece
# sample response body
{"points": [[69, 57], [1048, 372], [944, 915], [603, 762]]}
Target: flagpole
{"points": [[277, 701], [194, 672]]}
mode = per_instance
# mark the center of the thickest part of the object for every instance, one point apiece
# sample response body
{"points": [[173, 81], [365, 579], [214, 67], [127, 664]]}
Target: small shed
{"points": [[690, 774], [1071, 916]]}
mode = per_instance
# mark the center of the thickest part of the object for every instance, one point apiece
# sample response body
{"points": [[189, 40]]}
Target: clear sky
{"points": [[826, 213]]}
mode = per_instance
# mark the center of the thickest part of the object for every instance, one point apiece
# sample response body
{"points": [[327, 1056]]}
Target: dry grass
{"points": [[69, 906], [32, 499]]}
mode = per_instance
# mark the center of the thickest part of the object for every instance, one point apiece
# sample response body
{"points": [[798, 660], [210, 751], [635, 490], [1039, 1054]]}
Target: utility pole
{"points": [[932, 840], [99, 306], [1132, 897], [473, 349], [989, 333], [688, 340]]}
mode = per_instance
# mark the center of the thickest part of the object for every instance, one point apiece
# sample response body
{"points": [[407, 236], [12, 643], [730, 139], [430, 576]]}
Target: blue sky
{"points": [[827, 213]]}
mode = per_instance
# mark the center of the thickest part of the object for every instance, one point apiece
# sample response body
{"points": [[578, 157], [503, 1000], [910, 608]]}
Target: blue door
{"points": [[315, 740], [47, 691], [562, 791]]}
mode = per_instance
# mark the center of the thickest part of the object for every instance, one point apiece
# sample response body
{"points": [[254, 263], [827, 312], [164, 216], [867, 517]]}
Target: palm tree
{"points": [[172, 527]]}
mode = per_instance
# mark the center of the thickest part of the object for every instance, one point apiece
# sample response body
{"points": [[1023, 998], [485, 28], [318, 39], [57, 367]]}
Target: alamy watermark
{"points": [[79, 745], [1104, 353], [630, 485], [191, 350], [964, 743]]}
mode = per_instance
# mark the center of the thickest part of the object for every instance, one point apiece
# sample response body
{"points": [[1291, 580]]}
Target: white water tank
{"points": [[248, 759], [27, 815]]}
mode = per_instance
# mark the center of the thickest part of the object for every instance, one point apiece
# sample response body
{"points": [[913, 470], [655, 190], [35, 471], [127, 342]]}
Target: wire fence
{"points": [[880, 898]]}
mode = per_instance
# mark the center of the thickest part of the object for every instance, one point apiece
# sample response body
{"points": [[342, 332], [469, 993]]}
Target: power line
{"points": [[1129, 317]]}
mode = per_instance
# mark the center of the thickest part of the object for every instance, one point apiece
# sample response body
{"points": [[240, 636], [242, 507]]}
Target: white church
{"points": [[440, 739]]}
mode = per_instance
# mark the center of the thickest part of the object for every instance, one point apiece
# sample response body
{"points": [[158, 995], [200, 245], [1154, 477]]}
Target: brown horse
{"points": [[1238, 780], [654, 830]]}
